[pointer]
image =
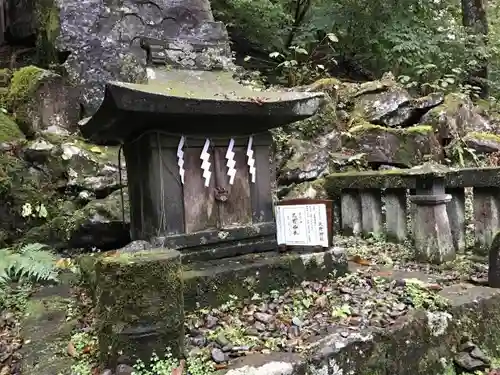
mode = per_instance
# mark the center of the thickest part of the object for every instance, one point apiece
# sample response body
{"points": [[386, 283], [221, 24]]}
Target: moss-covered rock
{"points": [[42, 101], [9, 131], [482, 142], [98, 224], [400, 147], [139, 305], [456, 117]]}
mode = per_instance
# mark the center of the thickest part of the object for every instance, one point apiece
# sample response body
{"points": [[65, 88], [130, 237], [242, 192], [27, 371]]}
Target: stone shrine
{"points": [[197, 145]]}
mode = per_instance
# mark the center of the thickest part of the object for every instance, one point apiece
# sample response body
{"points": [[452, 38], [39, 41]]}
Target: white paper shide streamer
{"points": [[251, 160], [205, 165], [180, 158], [231, 163]]}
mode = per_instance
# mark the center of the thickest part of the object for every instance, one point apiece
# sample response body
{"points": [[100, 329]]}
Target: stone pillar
{"points": [[350, 212], [413, 211], [486, 217], [456, 216], [371, 211], [432, 232], [494, 263], [139, 305], [396, 214], [433, 239]]}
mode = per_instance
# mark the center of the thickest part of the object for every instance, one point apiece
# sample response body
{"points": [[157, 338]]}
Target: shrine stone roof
{"points": [[198, 102]]}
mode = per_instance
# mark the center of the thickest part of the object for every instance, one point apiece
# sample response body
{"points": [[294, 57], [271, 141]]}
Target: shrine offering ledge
{"points": [[376, 202]]}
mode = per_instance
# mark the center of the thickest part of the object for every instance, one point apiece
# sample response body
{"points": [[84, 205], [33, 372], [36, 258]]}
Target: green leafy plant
{"points": [[197, 365], [33, 262]]}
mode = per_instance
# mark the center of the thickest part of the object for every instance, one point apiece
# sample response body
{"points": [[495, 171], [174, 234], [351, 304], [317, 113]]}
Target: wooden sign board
{"points": [[304, 223]]}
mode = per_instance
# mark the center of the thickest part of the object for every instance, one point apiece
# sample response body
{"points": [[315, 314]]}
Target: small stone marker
{"points": [[494, 262]]}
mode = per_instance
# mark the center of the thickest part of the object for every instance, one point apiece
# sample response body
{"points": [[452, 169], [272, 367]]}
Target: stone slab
{"points": [[405, 179]]}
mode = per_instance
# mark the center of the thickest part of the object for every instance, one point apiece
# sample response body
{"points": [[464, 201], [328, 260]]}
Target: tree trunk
{"points": [[474, 18]]}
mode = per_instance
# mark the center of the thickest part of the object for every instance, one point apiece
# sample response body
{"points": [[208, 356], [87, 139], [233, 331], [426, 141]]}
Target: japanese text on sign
{"points": [[302, 225]]}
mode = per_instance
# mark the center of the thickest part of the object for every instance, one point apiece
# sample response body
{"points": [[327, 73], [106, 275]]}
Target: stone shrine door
{"points": [[221, 204]]}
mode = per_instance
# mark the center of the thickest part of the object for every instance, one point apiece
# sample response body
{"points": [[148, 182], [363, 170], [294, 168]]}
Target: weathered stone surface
{"points": [[394, 107], [309, 160], [97, 225], [139, 305], [399, 147], [432, 231], [482, 142], [46, 331], [42, 102], [309, 189], [104, 39], [456, 116], [404, 178]]}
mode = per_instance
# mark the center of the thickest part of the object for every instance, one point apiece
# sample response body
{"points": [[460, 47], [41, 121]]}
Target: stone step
{"points": [[210, 283]]}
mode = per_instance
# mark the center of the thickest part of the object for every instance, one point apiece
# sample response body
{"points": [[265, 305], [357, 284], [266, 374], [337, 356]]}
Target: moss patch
{"points": [[47, 19], [9, 131], [484, 136], [23, 84], [360, 125]]}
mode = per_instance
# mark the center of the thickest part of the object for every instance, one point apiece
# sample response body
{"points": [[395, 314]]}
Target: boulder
{"points": [[482, 143], [78, 166], [394, 107], [309, 189], [102, 40], [456, 117], [309, 160], [388, 146], [100, 224], [41, 101], [45, 182]]}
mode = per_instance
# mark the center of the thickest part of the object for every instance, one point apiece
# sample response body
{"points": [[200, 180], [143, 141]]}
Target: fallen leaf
{"points": [[383, 274], [434, 287], [71, 350], [220, 366], [358, 260], [64, 263]]}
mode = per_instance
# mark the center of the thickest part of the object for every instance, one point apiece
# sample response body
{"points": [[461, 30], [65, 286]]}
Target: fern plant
{"points": [[33, 262]]}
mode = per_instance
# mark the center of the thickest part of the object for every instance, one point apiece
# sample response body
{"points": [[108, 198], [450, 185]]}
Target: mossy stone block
{"points": [[139, 305]]}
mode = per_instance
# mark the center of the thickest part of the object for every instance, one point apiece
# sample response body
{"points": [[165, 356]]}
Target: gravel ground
{"points": [[398, 257], [291, 320]]}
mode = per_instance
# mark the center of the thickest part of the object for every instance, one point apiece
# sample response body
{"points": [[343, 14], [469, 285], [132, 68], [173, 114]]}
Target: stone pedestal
{"points": [[432, 236], [139, 305]]}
